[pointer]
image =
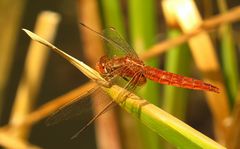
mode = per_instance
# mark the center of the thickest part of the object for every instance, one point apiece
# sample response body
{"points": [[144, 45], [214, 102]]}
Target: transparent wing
{"points": [[130, 86], [118, 42], [78, 106], [69, 111], [109, 106], [111, 36]]}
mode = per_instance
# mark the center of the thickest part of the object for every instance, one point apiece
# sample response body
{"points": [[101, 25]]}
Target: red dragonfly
{"points": [[130, 67]]}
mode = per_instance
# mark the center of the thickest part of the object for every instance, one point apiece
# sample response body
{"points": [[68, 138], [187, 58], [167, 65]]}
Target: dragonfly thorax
{"points": [[126, 67]]}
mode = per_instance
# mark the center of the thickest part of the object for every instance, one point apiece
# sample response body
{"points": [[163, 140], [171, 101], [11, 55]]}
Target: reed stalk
{"points": [[9, 33], [33, 72]]}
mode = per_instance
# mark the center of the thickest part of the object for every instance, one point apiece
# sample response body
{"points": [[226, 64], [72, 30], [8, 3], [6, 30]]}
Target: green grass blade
{"points": [[173, 130]]}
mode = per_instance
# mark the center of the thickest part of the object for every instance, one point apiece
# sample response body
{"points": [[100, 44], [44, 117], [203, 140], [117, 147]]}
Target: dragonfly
{"points": [[131, 68]]}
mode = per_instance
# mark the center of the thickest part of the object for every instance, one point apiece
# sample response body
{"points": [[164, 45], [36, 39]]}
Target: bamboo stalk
{"points": [[205, 58], [10, 18], [106, 128], [33, 71]]}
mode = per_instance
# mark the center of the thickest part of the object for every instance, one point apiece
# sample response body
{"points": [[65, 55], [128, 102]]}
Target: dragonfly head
{"points": [[101, 65]]}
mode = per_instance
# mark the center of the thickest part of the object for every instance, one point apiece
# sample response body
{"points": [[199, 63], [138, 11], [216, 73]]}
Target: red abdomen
{"points": [[169, 78]]}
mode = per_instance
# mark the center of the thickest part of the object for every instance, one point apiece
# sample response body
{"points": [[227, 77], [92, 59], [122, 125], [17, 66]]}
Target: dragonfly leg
{"points": [[130, 86]]}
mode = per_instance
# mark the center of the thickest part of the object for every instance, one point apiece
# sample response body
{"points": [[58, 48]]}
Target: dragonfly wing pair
{"points": [[78, 106]]}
